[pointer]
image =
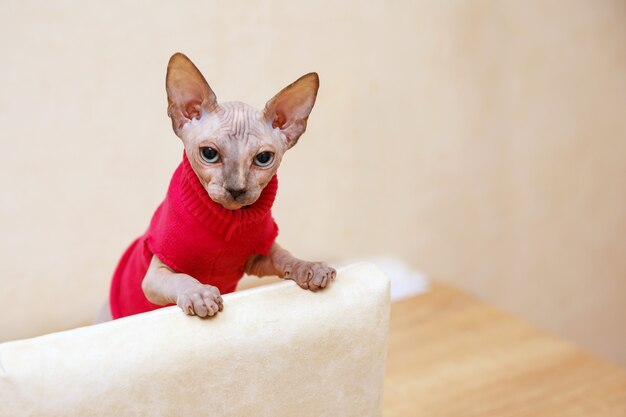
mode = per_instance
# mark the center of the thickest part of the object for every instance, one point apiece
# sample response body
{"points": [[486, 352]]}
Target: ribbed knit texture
{"points": [[193, 235]]}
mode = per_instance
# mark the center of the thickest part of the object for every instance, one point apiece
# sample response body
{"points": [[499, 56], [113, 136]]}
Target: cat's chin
{"points": [[232, 205]]}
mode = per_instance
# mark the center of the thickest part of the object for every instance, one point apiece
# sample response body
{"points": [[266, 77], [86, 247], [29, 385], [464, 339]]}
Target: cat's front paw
{"points": [[200, 300], [310, 275]]}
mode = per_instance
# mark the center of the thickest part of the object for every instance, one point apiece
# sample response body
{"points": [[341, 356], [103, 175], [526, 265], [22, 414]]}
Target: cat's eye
{"points": [[209, 155], [264, 159]]}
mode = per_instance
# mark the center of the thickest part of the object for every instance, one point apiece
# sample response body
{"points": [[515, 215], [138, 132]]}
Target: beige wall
{"points": [[483, 142]]}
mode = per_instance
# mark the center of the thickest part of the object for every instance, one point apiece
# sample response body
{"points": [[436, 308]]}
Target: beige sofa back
{"points": [[274, 351]]}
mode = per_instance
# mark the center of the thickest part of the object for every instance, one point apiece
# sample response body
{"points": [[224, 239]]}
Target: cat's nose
{"points": [[236, 192]]}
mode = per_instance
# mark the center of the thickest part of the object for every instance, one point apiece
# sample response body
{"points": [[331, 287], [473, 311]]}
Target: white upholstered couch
{"points": [[274, 351]]}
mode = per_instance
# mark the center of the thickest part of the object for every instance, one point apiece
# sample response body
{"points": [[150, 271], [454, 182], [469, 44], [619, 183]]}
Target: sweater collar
{"points": [[213, 215]]}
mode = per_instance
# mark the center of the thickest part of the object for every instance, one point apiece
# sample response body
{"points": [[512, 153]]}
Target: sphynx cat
{"points": [[235, 151]]}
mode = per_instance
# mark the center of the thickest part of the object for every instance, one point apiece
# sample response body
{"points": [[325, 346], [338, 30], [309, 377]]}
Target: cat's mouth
{"points": [[234, 203]]}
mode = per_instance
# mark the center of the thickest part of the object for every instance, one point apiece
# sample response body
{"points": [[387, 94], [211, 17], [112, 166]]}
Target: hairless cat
{"points": [[215, 223]]}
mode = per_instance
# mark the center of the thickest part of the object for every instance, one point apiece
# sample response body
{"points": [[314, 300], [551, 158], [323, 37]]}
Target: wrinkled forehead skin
{"points": [[233, 120]]}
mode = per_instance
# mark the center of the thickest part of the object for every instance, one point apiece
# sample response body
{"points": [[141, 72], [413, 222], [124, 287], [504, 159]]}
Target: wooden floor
{"points": [[450, 355]]}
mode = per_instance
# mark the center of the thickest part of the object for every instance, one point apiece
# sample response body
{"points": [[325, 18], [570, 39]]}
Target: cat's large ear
{"points": [[290, 108], [188, 94]]}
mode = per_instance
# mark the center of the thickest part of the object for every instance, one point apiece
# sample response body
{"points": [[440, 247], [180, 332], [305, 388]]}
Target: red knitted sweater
{"points": [[193, 235]]}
